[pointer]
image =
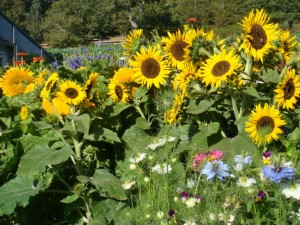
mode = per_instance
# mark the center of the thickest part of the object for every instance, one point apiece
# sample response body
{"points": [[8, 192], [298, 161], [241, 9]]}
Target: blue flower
{"points": [[215, 168], [278, 173], [242, 160]]}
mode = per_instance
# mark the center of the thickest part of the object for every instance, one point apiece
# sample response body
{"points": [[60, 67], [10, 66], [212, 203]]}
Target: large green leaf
{"points": [[100, 133], [35, 160], [107, 182], [17, 192], [199, 107], [83, 123], [119, 108]]}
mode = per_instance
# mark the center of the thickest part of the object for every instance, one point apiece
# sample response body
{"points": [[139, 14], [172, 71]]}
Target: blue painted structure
{"points": [[14, 40]]}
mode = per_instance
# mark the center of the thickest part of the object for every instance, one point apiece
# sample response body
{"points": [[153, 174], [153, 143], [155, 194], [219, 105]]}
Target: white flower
{"points": [[190, 202], [127, 185], [132, 166], [190, 183], [291, 191], [246, 182], [140, 157], [162, 169], [157, 143], [226, 218], [160, 214], [238, 167], [146, 179], [160, 142], [190, 222]]}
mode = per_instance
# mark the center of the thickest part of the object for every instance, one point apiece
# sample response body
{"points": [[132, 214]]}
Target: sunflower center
{"points": [[265, 126], [49, 85], [71, 93], [178, 50], [289, 89], [150, 68], [88, 89], [259, 37], [220, 68], [119, 92]]}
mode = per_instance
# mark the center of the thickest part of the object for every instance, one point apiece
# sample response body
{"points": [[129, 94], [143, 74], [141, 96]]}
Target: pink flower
{"points": [[197, 160], [216, 155]]}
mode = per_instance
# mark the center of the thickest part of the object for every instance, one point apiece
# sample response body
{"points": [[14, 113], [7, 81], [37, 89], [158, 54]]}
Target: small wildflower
{"points": [[171, 213], [226, 218], [162, 169], [160, 215], [190, 202], [215, 168], [291, 191], [138, 158], [261, 195], [266, 157], [190, 183], [278, 173], [246, 182], [127, 185], [190, 222], [146, 179], [132, 166], [184, 196]]}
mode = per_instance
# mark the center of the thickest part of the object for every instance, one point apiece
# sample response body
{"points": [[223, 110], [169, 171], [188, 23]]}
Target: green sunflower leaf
{"points": [[108, 183], [17, 192], [119, 108], [36, 159], [199, 107]]}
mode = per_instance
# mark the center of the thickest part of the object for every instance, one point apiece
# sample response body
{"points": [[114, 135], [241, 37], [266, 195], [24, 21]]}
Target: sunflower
{"points": [[56, 106], [118, 91], [264, 124], [287, 44], [149, 68], [188, 73], [48, 85], [219, 67], [133, 42], [124, 75], [288, 90], [40, 79], [90, 84], [259, 34], [24, 113], [71, 92], [175, 49], [171, 115], [198, 46], [17, 80]]}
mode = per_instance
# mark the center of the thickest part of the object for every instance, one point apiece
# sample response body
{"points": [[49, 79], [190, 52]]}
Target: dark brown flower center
{"points": [[259, 37], [49, 85], [88, 89], [289, 89], [150, 68], [119, 92], [178, 50], [265, 126], [71, 93], [220, 68], [286, 47]]}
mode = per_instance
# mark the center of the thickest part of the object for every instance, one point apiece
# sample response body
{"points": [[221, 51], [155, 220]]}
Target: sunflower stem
{"points": [[248, 68], [138, 108]]}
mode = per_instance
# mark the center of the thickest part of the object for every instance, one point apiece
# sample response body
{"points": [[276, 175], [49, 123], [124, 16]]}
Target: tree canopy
{"points": [[63, 23]]}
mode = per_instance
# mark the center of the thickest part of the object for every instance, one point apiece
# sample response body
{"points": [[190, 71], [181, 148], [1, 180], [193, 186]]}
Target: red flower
{"points": [[192, 20], [37, 59], [21, 53], [20, 63]]}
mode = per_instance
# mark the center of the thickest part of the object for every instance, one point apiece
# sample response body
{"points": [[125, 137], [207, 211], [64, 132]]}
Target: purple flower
{"points": [[215, 168], [267, 154], [260, 196], [278, 173], [171, 212]]}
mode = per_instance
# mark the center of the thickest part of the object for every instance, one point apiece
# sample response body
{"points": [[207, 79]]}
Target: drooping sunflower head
{"points": [[40, 79], [17, 80], [171, 115], [56, 106], [71, 92], [288, 90], [175, 49], [124, 75], [90, 84], [200, 44], [149, 67], [259, 35], [264, 124], [118, 91], [133, 42], [219, 67], [48, 85], [187, 74], [287, 45]]}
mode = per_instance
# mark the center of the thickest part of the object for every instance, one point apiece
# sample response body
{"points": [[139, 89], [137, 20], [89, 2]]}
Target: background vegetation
{"points": [[64, 23]]}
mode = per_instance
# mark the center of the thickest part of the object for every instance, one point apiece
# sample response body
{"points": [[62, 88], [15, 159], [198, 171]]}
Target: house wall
{"points": [[14, 40]]}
